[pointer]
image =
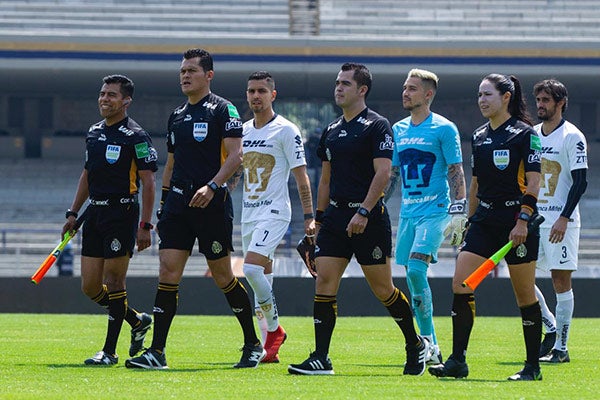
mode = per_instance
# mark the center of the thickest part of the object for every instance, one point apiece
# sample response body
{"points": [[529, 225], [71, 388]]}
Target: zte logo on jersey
{"points": [[512, 129], [210, 106], [255, 143], [126, 131], [411, 141], [364, 121]]}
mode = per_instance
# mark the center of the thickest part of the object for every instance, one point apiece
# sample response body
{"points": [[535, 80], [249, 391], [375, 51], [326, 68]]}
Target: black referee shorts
{"points": [[485, 239], [372, 247], [110, 231], [180, 225]]}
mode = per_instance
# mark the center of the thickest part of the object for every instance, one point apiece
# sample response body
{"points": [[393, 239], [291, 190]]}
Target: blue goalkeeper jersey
{"points": [[423, 153]]}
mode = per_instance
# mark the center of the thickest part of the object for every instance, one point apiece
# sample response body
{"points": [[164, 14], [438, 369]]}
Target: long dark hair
{"points": [[516, 105]]}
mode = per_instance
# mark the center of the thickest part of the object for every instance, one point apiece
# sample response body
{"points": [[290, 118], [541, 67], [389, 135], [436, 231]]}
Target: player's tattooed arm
{"points": [[391, 186], [235, 178], [456, 179]]}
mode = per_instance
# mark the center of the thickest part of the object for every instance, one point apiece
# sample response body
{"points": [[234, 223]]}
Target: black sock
{"points": [[165, 308], [238, 300], [463, 317], [532, 331], [117, 305], [398, 307], [102, 300], [325, 315]]}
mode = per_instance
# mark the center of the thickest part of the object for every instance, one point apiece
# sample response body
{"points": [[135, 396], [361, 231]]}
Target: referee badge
{"points": [[200, 131], [501, 159], [112, 154]]}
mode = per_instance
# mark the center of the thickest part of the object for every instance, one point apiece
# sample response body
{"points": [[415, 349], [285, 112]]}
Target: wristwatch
{"points": [[524, 216], [213, 186], [363, 211]]}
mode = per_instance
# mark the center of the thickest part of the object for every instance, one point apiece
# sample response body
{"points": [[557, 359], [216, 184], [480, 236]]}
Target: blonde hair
{"points": [[426, 76]]}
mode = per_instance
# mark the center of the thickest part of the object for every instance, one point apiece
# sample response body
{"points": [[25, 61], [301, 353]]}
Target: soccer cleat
{"points": [[252, 355], [435, 355], [528, 373], [451, 368], [138, 334], [556, 357], [102, 358], [274, 341], [313, 365], [416, 356], [547, 343], [150, 359]]}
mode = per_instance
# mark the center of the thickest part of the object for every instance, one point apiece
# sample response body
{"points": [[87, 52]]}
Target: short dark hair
{"points": [[206, 61], [263, 75], [362, 75], [126, 84], [517, 106], [554, 88]]}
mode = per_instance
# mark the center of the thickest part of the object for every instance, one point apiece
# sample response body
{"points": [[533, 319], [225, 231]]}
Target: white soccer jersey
{"points": [[563, 150], [269, 154]]}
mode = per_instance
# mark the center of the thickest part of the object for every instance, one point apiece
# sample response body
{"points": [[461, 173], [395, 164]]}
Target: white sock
{"points": [[263, 294], [260, 318], [547, 317], [565, 302]]}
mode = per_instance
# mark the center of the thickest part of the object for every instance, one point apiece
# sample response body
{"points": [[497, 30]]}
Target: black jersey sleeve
{"points": [[382, 139]]}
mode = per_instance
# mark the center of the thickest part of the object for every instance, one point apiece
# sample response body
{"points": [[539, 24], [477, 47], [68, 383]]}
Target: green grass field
{"points": [[42, 357]]}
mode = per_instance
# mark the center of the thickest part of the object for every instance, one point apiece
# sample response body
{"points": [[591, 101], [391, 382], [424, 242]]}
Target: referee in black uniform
{"points": [[503, 194], [356, 153], [119, 153], [204, 143]]}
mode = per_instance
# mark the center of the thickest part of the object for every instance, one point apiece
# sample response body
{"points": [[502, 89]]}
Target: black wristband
{"points": [[530, 201], [319, 216], [308, 216], [70, 213], [164, 194]]}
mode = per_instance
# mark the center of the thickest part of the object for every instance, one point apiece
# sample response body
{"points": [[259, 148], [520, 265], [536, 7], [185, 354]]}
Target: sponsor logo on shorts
{"points": [[377, 253], [521, 250], [216, 247], [115, 245]]}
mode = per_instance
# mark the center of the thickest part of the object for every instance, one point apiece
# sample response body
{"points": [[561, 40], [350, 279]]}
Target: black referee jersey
{"points": [[350, 147], [195, 137], [114, 154], [501, 157]]}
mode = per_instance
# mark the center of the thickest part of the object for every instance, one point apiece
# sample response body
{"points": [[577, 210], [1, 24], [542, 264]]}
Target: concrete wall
{"points": [[294, 296]]}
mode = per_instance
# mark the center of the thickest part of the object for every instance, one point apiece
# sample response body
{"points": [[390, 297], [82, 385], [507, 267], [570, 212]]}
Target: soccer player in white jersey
{"points": [[272, 148], [564, 167]]}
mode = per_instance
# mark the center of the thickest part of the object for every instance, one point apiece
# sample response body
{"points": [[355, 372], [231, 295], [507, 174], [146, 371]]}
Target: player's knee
{"points": [[416, 272], [254, 273]]}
